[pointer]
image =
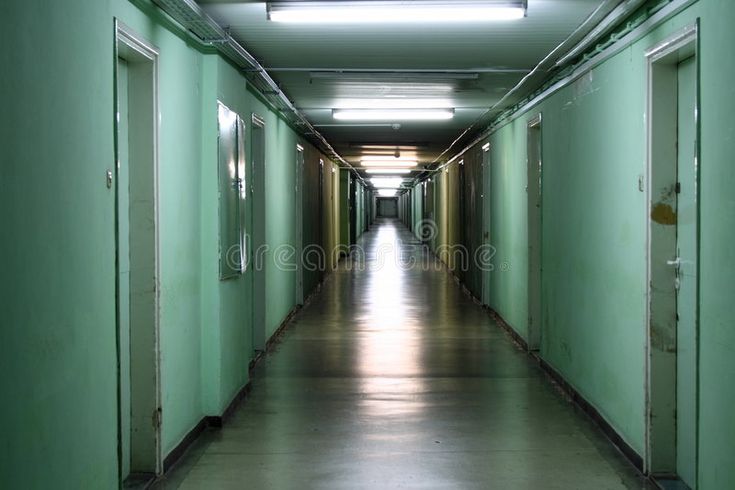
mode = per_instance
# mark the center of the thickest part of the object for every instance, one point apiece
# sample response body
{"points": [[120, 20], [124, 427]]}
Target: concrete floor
{"points": [[394, 378]]}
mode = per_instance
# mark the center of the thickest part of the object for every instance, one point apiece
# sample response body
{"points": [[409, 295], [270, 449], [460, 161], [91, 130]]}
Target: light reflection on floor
{"points": [[393, 378]]}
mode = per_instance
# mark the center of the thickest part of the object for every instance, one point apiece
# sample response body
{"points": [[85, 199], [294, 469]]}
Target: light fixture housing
{"points": [[389, 171], [401, 76], [381, 158], [389, 163], [392, 115], [387, 182], [387, 192], [396, 11]]}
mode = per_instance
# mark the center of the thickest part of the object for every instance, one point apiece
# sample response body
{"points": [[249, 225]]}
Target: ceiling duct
{"points": [[207, 31]]}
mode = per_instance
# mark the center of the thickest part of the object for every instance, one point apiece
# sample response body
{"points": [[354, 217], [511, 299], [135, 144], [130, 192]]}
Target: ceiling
{"points": [[465, 66]]}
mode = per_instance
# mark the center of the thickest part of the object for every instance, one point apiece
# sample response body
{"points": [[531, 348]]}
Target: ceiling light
{"points": [[382, 158], [396, 11], [390, 163], [388, 154], [387, 171], [393, 114], [386, 192], [389, 147], [399, 75], [387, 182], [391, 103]]}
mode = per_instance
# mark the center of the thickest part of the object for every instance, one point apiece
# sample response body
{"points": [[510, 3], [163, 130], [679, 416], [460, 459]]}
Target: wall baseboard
{"points": [[612, 435], [177, 452], [218, 421], [517, 338], [207, 422]]}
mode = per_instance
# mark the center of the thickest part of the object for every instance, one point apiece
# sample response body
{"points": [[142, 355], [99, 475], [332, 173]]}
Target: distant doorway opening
{"points": [[387, 207]]}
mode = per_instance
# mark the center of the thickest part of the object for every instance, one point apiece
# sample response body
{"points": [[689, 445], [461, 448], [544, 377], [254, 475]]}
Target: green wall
{"points": [[179, 192], [57, 341], [594, 235], [717, 255], [58, 338]]}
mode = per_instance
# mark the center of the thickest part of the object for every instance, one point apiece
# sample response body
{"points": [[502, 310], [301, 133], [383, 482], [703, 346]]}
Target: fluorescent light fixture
{"points": [[396, 75], [387, 192], [389, 171], [392, 148], [392, 115], [393, 103], [382, 158], [396, 11], [390, 163], [381, 155], [387, 182]]}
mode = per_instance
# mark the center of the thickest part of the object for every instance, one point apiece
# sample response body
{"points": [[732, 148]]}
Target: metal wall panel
{"points": [[231, 162]]}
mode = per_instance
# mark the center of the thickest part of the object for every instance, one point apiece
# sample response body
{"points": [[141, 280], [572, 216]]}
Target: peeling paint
{"points": [[663, 214]]}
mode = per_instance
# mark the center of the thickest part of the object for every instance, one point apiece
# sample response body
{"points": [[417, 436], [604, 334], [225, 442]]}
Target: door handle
{"points": [[675, 263]]}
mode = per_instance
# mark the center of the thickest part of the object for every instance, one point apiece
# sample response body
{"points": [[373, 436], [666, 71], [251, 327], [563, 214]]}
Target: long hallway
{"points": [[375, 244], [392, 377]]}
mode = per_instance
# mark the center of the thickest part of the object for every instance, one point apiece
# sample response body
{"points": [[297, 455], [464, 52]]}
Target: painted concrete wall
{"points": [[58, 336], [57, 341], [717, 255], [594, 235]]}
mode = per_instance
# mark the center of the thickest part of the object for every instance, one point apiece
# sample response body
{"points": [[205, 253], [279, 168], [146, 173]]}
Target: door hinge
{"points": [[677, 188], [157, 418]]}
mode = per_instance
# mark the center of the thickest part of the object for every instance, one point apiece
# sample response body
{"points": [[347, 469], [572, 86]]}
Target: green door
{"points": [[686, 368], [485, 222]]}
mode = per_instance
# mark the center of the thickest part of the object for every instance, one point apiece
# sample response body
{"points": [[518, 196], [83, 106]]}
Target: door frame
{"points": [[463, 237], [535, 325], [299, 210], [486, 218], [352, 205], [668, 52], [258, 230], [133, 47]]}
